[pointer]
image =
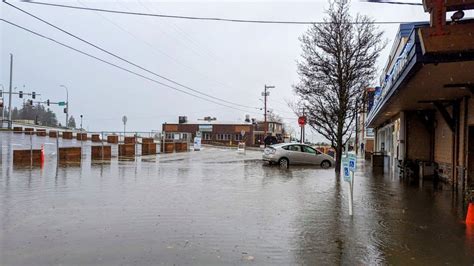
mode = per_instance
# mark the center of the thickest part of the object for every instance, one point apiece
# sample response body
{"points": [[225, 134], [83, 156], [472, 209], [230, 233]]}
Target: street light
{"points": [[265, 94], [67, 105]]}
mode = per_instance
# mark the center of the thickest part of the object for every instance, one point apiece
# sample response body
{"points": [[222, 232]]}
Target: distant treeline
{"points": [[37, 113]]}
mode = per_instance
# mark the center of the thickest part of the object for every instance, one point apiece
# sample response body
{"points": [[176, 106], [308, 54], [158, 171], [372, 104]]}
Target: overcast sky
{"points": [[231, 61]]}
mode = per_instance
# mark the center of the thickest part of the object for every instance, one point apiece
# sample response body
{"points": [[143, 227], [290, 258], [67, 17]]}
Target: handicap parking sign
{"points": [[352, 163], [347, 174]]}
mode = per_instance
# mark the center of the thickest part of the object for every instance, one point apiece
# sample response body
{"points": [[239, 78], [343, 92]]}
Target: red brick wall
{"points": [[216, 129]]}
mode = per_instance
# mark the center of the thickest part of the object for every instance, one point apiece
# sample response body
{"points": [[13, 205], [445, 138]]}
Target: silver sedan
{"points": [[294, 153]]}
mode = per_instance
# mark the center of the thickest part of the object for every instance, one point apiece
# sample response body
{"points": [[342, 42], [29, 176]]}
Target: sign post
{"points": [[241, 144], [349, 167], [197, 143], [302, 123], [124, 120]]}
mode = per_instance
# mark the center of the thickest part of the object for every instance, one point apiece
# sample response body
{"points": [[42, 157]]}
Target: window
{"points": [[184, 136], [223, 136], [206, 136], [293, 148], [238, 137], [309, 150]]}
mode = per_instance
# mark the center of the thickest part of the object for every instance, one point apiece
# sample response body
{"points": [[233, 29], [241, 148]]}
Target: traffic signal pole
{"points": [[10, 94], [265, 113]]}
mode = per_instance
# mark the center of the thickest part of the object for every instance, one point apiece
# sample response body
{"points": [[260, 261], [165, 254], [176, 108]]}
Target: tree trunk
{"points": [[338, 157], [339, 144]]}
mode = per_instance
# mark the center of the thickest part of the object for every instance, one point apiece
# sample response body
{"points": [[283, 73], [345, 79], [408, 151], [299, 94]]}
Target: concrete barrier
{"points": [[167, 147], [95, 138], [70, 154], [67, 135], [129, 140], [17, 130], [126, 150], [101, 152], [41, 132], [81, 136], [181, 146], [112, 139], [53, 134], [26, 157], [29, 131], [148, 148]]}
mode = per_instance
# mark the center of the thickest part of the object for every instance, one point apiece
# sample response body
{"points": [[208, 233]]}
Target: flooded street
{"points": [[216, 206]]}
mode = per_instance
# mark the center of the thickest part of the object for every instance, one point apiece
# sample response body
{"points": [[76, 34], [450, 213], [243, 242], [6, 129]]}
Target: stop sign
{"points": [[302, 120]]}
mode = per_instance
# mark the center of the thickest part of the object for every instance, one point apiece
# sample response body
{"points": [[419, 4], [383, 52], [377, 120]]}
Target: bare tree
{"points": [[274, 117], [338, 63]]}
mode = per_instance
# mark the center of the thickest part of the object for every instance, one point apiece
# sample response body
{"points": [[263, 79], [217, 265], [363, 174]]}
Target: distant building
{"points": [[229, 133], [365, 135], [274, 129]]}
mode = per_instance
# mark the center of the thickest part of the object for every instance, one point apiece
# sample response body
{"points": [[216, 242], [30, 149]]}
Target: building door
{"points": [[470, 157]]}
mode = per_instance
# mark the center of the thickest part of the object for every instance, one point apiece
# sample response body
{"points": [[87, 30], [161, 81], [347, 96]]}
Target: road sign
{"points": [[347, 172], [61, 103], [302, 120], [197, 143], [352, 163]]}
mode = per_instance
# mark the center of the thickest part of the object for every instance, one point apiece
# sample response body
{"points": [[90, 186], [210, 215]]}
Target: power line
{"points": [[154, 49], [125, 60], [201, 18], [119, 67]]}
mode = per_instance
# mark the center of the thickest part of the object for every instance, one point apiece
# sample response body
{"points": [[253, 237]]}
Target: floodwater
{"points": [[216, 206]]}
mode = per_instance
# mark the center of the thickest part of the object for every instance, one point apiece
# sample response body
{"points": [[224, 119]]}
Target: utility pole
{"points": [[265, 93], [10, 94]]}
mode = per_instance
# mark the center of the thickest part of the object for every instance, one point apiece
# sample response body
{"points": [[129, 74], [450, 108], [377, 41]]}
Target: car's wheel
{"points": [[325, 164], [284, 163], [270, 163]]}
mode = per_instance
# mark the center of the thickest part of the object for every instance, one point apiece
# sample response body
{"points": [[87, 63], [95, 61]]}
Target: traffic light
{"points": [[30, 102], [33, 95], [20, 94], [47, 102], [1, 94], [65, 110]]}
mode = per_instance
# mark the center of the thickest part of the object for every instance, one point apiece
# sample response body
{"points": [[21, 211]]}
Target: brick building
{"points": [[423, 110], [226, 133]]}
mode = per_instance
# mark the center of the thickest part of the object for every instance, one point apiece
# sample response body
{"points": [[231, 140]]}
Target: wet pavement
{"points": [[217, 206]]}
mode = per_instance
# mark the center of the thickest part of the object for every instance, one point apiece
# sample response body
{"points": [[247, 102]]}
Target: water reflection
{"points": [[218, 207]]}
